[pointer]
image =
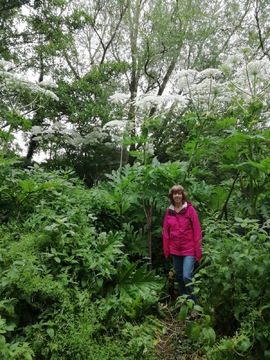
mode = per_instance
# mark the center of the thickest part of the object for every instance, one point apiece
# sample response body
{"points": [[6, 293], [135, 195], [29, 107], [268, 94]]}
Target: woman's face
{"points": [[177, 197]]}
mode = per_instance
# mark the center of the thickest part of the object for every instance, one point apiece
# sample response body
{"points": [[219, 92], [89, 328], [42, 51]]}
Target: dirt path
{"points": [[174, 344]]}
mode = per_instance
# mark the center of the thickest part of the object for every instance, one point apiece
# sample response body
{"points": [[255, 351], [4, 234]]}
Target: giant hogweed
{"points": [[136, 290]]}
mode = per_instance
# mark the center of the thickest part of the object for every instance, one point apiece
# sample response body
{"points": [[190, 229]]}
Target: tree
{"points": [[19, 99], [9, 34]]}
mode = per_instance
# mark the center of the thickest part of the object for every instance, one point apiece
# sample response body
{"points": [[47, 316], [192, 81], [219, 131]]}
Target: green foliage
{"points": [[134, 294], [140, 338], [138, 290], [17, 348], [134, 200], [62, 280], [75, 262], [233, 288], [91, 152]]}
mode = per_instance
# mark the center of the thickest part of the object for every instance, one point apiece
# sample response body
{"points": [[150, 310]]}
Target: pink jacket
{"points": [[182, 234]]}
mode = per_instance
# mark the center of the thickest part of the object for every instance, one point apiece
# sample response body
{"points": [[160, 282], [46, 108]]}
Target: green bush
{"points": [[71, 290], [234, 288]]}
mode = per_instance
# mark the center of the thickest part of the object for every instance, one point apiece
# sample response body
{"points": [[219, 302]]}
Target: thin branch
{"points": [[261, 40], [72, 68], [224, 209], [105, 48]]}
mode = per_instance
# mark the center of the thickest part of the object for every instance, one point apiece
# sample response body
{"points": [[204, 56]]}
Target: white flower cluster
{"points": [[202, 88], [116, 128], [214, 90], [6, 65], [68, 135], [210, 74], [119, 98], [246, 80], [253, 78], [142, 104], [145, 102], [238, 81], [12, 81], [47, 83], [118, 124]]}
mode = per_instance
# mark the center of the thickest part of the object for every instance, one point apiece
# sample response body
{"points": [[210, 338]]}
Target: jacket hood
{"points": [[184, 208]]}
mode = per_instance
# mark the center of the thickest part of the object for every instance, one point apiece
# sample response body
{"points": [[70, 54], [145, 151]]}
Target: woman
{"points": [[182, 237]]}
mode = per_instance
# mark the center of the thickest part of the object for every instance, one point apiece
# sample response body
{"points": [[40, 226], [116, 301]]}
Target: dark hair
{"points": [[176, 189]]}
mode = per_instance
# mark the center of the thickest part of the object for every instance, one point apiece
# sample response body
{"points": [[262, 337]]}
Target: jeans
{"points": [[183, 267]]}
